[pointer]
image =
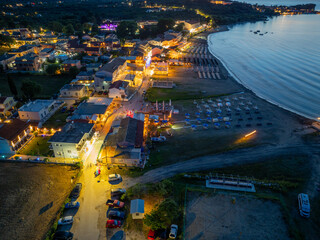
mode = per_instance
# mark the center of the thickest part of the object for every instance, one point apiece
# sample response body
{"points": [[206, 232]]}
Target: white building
{"points": [[109, 73], [137, 209], [73, 91], [74, 140], [6, 104], [118, 90], [38, 110]]}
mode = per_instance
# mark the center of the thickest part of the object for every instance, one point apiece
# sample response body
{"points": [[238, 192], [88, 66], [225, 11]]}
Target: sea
{"points": [[282, 65]]}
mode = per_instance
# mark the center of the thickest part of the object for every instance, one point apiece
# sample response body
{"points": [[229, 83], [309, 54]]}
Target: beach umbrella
{"points": [[187, 114], [187, 120], [227, 123], [218, 111], [217, 124], [197, 113]]}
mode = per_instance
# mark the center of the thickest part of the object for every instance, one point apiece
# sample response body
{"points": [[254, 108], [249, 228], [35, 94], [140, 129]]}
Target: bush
{"points": [[165, 214]]}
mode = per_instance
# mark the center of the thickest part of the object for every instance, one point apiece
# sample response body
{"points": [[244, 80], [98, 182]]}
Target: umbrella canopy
{"points": [[197, 113], [187, 114], [217, 124], [227, 123], [187, 120]]}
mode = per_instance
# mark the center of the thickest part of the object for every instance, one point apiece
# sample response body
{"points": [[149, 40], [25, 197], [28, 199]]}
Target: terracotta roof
{"points": [[11, 130]]}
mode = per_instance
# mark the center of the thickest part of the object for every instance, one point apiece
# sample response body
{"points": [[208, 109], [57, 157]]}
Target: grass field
{"points": [[58, 120], [186, 144], [49, 84], [164, 94], [38, 146]]}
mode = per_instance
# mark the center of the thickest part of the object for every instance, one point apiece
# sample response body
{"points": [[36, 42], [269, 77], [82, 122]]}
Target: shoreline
{"points": [[234, 78]]}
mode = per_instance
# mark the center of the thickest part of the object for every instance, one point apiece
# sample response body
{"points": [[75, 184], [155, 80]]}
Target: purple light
{"points": [[109, 26]]}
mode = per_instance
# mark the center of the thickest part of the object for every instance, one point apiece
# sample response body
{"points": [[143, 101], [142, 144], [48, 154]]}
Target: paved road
{"points": [[237, 157]]}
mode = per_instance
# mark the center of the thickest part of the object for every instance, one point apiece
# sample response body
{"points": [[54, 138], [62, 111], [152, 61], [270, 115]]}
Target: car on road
{"points": [[304, 205], [72, 205], [173, 231], [65, 220], [113, 224], [116, 214], [114, 177], [76, 191], [115, 203], [117, 191], [151, 234], [159, 139], [63, 235]]}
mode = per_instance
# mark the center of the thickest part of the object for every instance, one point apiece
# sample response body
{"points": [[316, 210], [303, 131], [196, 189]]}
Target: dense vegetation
{"points": [[84, 16]]}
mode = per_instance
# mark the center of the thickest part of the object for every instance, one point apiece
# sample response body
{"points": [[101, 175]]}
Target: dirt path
{"points": [[237, 157]]}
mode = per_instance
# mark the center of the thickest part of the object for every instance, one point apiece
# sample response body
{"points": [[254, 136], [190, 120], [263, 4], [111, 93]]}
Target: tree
{"points": [[6, 41], [12, 86], [52, 68], [165, 24], [73, 71], [69, 30], [94, 29], [127, 29], [165, 214], [179, 27], [56, 26], [30, 89]]}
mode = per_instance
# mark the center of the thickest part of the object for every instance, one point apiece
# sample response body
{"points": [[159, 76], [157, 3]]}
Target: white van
{"points": [[304, 205]]}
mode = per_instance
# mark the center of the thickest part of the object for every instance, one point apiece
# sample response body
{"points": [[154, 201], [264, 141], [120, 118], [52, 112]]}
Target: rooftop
{"points": [[113, 65], [11, 130], [36, 105], [70, 61], [72, 87], [100, 100], [118, 84], [137, 206], [86, 108], [72, 132]]}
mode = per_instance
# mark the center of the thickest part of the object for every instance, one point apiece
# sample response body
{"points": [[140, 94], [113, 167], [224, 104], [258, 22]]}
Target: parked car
{"points": [[117, 191], [151, 234], [65, 220], [159, 139], [114, 177], [173, 231], [163, 234], [116, 214], [115, 203], [64, 109], [72, 205], [63, 235], [304, 205], [113, 224], [76, 191]]}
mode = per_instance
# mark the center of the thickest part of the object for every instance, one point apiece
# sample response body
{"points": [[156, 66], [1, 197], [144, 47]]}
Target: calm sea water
{"points": [[282, 66], [283, 2]]}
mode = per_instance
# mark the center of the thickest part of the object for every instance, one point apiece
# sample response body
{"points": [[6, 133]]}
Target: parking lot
{"points": [[89, 220], [232, 216]]}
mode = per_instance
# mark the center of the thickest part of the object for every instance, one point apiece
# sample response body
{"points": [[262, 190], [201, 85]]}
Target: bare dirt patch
{"points": [[30, 198], [216, 217]]}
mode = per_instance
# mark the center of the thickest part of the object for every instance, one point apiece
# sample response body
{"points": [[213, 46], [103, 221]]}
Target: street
{"points": [[90, 219]]}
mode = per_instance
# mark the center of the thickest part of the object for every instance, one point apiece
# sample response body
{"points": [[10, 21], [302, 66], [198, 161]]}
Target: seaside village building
{"points": [[73, 141], [14, 133], [109, 73], [39, 110], [6, 106], [124, 143]]}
